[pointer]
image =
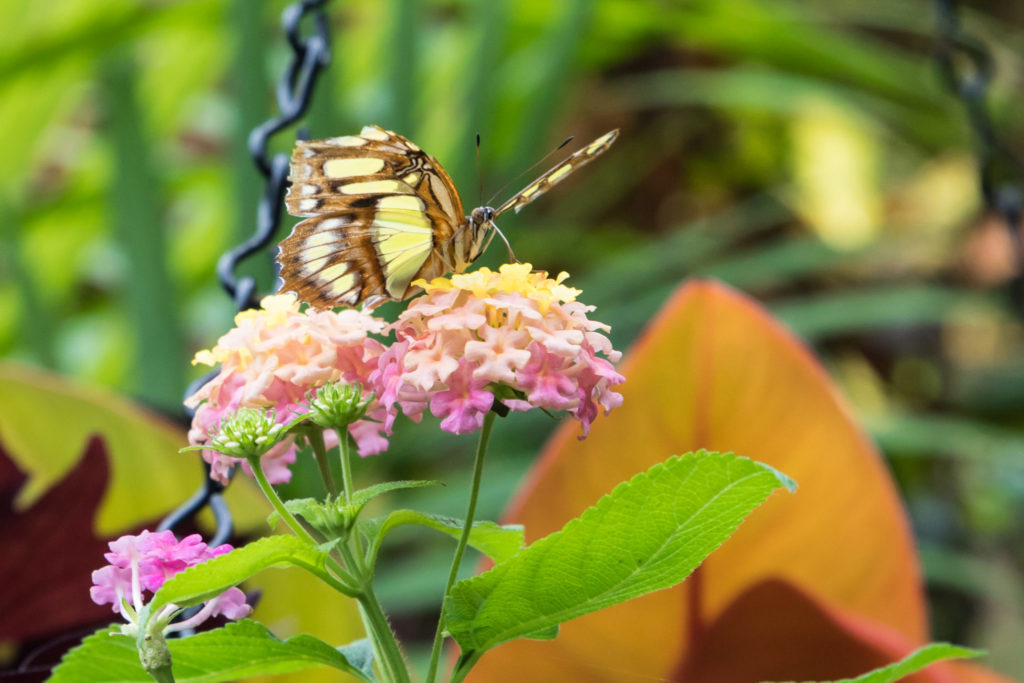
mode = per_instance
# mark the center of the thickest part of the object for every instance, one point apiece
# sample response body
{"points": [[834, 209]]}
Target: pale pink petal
{"points": [[368, 435], [231, 603], [274, 358], [463, 405]]}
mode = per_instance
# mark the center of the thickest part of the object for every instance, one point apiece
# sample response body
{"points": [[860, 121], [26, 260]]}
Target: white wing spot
{"points": [[333, 272], [314, 266], [346, 168], [376, 187], [346, 141], [443, 196], [374, 133], [316, 253], [402, 202], [402, 220], [334, 223], [342, 285], [318, 239]]}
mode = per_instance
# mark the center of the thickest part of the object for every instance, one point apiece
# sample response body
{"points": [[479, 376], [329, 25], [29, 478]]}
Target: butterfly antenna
{"points": [[535, 165], [479, 173]]}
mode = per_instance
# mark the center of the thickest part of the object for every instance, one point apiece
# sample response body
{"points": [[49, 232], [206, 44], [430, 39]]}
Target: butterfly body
{"points": [[380, 214]]}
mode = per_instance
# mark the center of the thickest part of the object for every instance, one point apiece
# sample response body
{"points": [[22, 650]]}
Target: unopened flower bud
{"points": [[248, 433], [338, 404]]}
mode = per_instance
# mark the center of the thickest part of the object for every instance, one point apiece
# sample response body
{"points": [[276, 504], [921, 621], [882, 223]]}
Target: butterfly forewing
{"points": [[379, 207], [558, 173]]}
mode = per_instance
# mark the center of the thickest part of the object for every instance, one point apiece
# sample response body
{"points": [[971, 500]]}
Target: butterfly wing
{"points": [[379, 208], [558, 173]]}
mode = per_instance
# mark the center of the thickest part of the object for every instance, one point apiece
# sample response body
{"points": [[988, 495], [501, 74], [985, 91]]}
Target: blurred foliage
{"points": [[804, 152]]}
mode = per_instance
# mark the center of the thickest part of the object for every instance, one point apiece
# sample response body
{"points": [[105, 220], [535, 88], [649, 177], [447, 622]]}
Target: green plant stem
{"points": [[275, 500], [353, 562], [345, 583], [316, 440], [341, 581], [474, 492], [344, 447], [385, 646]]}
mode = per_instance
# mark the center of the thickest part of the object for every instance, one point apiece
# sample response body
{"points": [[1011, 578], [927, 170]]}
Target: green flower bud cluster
{"points": [[337, 405], [248, 433], [333, 517]]}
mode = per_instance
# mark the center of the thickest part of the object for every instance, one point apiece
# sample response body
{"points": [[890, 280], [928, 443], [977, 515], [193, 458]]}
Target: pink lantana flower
{"points": [[143, 563], [274, 358], [514, 330]]}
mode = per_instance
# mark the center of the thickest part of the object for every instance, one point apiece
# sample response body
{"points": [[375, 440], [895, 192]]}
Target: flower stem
{"points": [[316, 441], [474, 492], [345, 582], [344, 447], [385, 646], [275, 500]]}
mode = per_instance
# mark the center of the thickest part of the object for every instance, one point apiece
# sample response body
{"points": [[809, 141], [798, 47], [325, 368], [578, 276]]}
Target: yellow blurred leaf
{"points": [[835, 173], [45, 421], [291, 602]]}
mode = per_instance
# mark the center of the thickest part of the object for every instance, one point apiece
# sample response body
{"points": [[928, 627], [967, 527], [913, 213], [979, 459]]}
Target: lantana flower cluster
{"points": [[143, 563], [513, 336], [514, 329], [275, 358]]}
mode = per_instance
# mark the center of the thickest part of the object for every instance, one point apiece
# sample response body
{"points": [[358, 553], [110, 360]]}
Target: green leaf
{"points": [[309, 509], [498, 542], [914, 662], [236, 651], [647, 534], [213, 577], [364, 496]]}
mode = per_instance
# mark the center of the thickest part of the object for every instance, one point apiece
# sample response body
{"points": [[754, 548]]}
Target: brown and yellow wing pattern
{"points": [[381, 213], [379, 208]]}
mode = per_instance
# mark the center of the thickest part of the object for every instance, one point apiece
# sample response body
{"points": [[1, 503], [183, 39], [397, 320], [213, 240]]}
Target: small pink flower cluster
{"points": [[513, 327], [513, 332], [145, 562], [274, 357]]}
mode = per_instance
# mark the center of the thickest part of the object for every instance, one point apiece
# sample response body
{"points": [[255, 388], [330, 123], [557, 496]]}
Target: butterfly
{"points": [[382, 213]]}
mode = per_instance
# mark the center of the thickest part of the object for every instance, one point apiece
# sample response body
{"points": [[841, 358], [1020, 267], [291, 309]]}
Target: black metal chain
{"points": [[310, 55], [294, 93], [967, 68]]}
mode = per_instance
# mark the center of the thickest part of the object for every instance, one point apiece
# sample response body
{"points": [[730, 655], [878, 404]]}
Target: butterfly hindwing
{"points": [[325, 260], [361, 255]]}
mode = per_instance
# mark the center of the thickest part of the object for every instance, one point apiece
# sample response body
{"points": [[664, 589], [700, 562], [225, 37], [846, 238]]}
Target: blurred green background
{"points": [[804, 152]]}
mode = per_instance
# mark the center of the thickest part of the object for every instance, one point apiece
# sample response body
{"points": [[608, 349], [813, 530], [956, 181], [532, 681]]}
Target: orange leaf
{"points": [[743, 645], [715, 371]]}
